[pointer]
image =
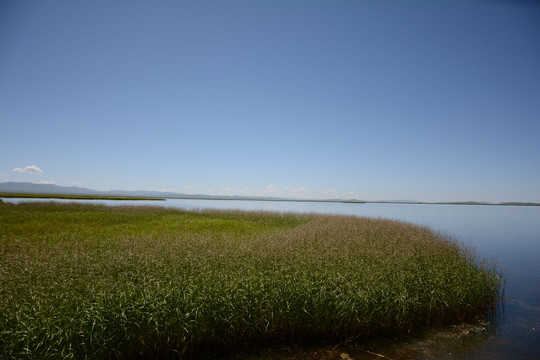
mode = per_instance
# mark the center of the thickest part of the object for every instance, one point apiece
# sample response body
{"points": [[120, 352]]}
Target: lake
{"points": [[508, 234]]}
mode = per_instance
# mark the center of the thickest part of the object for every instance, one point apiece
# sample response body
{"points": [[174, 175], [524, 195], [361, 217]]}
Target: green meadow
{"points": [[94, 282]]}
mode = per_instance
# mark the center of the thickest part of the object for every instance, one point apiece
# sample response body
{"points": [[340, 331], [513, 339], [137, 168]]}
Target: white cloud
{"points": [[288, 192], [45, 182], [77, 183], [173, 189], [229, 191], [186, 189], [270, 190], [352, 195], [31, 169]]}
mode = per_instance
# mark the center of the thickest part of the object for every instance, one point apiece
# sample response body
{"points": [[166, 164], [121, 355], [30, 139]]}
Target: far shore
{"points": [[78, 197], [142, 198]]}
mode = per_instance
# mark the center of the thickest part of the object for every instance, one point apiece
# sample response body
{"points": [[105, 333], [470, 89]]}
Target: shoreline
{"points": [[222, 198]]}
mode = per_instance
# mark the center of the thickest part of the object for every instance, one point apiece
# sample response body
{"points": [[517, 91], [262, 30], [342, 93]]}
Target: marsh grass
{"points": [[76, 197], [89, 281]]}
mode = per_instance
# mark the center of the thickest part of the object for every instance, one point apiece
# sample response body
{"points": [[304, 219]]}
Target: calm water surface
{"points": [[508, 234]]}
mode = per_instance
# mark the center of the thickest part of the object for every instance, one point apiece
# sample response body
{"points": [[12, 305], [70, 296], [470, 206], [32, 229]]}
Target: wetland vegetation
{"points": [[92, 281], [75, 197]]}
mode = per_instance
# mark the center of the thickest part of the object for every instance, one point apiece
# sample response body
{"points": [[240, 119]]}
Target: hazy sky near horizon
{"points": [[375, 100]]}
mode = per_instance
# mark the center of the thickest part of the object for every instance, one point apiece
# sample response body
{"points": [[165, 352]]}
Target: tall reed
{"points": [[83, 281]]}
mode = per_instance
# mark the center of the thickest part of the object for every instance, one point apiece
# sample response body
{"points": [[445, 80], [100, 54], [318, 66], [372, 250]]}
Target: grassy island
{"points": [[91, 281], [77, 197]]}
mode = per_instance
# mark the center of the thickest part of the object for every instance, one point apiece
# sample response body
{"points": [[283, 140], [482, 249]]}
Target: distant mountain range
{"points": [[51, 189], [31, 188]]}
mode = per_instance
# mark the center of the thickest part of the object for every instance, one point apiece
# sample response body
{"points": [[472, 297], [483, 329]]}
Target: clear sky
{"points": [[374, 100]]}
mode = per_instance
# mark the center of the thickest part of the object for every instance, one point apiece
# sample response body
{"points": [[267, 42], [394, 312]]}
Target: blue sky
{"points": [[375, 100]]}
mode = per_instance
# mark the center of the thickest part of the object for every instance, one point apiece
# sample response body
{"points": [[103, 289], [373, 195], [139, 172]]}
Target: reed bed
{"points": [[91, 282]]}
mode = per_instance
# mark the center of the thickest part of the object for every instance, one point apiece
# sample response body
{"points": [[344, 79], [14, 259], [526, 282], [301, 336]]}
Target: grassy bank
{"points": [[75, 197], [87, 281]]}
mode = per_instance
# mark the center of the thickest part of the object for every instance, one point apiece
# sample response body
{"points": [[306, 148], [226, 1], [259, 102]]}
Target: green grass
{"points": [[89, 281], [76, 197]]}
